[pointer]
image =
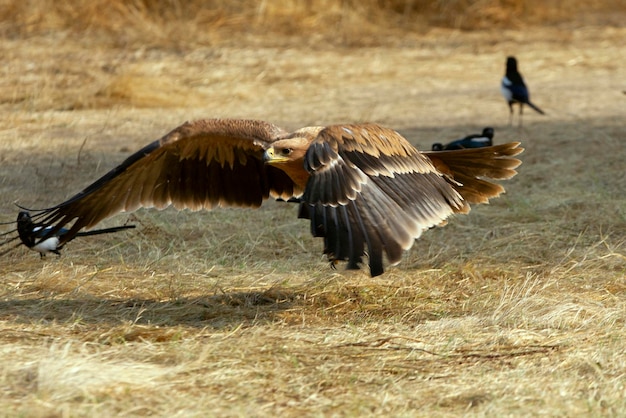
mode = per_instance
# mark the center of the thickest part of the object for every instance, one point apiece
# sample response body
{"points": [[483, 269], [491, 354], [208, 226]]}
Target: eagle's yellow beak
{"points": [[271, 157]]}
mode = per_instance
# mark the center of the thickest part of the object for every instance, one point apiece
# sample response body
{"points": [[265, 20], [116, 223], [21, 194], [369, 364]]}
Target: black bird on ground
{"points": [[485, 139], [514, 90], [31, 234]]}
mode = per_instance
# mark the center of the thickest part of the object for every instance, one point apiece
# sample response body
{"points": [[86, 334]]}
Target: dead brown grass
{"points": [[515, 310], [176, 23]]}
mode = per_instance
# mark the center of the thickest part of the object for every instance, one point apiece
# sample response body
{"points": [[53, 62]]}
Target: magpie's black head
{"points": [[511, 64], [437, 146], [25, 229], [488, 132]]}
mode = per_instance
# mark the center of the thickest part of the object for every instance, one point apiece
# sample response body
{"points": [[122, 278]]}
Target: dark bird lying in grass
{"points": [[471, 141], [40, 238], [514, 90], [365, 189]]}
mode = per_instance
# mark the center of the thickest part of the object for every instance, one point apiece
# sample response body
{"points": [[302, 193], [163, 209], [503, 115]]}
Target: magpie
{"points": [[485, 139], [42, 239], [514, 90]]}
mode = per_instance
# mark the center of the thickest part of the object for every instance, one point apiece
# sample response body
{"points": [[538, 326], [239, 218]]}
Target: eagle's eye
{"points": [[286, 151]]}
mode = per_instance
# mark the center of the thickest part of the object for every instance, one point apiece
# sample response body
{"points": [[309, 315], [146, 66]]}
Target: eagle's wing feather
{"points": [[201, 164], [469, 170], [371, 192]]}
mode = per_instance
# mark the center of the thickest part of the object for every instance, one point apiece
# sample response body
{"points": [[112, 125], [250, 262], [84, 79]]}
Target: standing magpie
{"points": [[514, 90], [40, 238], [471, 141]]}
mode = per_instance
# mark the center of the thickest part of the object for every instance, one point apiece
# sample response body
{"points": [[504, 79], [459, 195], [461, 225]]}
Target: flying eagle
{"points": [[365, 189]]}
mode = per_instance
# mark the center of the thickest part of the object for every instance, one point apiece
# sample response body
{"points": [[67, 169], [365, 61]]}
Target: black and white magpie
{"points": [[485, 139], [40, 238], [514, 90]]}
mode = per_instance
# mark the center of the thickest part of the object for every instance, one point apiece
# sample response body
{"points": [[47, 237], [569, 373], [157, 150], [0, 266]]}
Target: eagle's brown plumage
{"points": [[365, 189]]}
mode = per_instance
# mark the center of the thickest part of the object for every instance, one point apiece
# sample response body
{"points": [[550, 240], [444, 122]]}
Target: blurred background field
{"points": [[173, 21], [517, 309]]}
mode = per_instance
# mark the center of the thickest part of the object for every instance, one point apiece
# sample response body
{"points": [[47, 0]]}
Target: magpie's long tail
{"points": [[535, 108], [104, 230], [8, 250]]}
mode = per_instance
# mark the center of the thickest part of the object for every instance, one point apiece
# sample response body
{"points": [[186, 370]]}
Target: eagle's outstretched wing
{"points": [[199, 165], [371, 192]]}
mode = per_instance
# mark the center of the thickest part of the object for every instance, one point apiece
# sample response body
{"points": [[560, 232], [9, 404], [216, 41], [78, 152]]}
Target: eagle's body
{"points": [[365, 189]]}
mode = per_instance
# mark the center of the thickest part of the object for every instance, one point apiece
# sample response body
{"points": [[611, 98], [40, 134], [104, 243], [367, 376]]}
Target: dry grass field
{"points": [[518, 309]]}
